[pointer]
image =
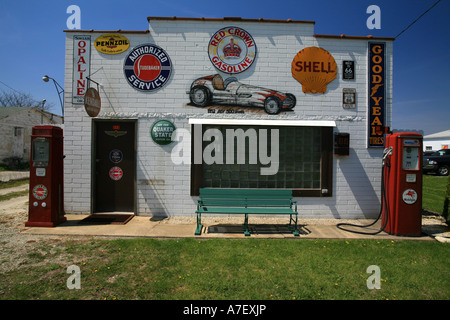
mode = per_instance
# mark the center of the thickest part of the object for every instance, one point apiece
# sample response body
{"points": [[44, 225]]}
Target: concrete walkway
{"points": [[213, 228], [222, 227]]}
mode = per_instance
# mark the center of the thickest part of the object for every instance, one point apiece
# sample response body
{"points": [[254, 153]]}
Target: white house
{"points": [[437, 141], [15, 129]]}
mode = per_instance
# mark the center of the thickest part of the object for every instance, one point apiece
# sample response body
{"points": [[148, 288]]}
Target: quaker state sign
{"points": [[147, 68], [161, 132], [232, 50], [112, 44]]}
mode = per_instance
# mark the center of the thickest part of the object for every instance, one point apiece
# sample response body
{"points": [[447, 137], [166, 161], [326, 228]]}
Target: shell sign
{"points": [[314, 68], [111, 44]]}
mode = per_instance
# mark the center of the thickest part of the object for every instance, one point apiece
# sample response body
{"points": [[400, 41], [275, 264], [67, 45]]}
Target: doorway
{"points": [[114, 166]]}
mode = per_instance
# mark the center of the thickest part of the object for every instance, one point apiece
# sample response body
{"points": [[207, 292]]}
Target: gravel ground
{"points": [[16, 246]]}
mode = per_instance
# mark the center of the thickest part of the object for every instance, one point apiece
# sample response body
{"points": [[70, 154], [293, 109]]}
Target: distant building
{"points": [[437, 141], [15, 129]]}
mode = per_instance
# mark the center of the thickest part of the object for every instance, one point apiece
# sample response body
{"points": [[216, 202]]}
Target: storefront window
{"points": [[304, 161]]}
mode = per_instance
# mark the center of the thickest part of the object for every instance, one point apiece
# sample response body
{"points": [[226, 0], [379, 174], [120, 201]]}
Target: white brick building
{"points": [[16, 124], [326, 185]]}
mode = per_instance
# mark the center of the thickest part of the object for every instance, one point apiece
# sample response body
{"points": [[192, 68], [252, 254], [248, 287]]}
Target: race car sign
{"points": [[147, 68], [232, 50]]}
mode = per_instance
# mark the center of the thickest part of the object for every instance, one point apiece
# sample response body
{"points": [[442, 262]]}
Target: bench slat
{"points": [[246, 210], [246, 201]]}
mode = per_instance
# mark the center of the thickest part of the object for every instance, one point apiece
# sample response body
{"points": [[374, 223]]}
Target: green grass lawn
{"points": [[12, 184], [234, 269], [248, 269], [434, 188]]}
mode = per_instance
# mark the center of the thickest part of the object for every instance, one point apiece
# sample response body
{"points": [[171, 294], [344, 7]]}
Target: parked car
{"points": [[214, 90], [438, 162]]}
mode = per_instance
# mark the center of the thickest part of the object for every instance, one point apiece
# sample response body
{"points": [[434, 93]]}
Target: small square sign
{"points": [[348, 68], [349, 98]]}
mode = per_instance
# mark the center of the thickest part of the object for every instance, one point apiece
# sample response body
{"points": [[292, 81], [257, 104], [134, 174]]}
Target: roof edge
{"points": [[230, 19], [343, 36], [108, 31]]}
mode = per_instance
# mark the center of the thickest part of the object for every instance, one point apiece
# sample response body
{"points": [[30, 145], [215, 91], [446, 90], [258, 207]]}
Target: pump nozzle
{"points": [[387, 152]]}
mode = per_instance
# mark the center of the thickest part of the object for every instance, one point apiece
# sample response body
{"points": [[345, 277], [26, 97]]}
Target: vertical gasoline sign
{"points": [[81, 67], [376, 90]]}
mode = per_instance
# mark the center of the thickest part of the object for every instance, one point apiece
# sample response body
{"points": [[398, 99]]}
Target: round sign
{"points": [[111, 43], [115, 156], [409, 196], [232, 50], [115, 173], [161, 132], [147, 68], [92, 102], [40, 192]]}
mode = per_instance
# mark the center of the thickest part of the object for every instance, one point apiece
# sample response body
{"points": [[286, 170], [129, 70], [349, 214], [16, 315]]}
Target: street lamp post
{"points": [[59, 89]]}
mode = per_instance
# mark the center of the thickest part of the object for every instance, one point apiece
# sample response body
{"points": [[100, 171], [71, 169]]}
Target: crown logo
{"points": [[232, 50]]}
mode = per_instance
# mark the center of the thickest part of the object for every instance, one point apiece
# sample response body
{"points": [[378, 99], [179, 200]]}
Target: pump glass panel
{"points": [[41, 152], [410, 158]]}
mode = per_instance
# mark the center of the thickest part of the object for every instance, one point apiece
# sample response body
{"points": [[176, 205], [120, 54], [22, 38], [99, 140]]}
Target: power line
{"points": [[10, 87], [417, 19]]}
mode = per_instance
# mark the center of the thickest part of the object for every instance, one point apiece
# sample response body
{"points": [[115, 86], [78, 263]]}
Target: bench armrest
{"points": [[293, 202]]}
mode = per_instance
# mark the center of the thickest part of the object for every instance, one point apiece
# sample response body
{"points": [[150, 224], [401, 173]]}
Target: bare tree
{"points": [[18, 99]]}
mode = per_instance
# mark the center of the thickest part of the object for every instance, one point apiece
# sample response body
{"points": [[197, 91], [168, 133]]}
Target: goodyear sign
{"points": [[377, 94], [112, 44]]}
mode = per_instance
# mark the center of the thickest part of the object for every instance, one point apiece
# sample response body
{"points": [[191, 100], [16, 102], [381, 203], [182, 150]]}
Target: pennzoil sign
{"points": [[112, 44]]}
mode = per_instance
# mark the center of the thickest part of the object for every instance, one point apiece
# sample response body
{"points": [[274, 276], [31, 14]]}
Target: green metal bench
{"points": [[247, 201]]}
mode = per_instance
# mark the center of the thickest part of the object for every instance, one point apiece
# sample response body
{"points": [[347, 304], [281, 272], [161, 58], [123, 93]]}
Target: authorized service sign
{"points": [[147, 68], [112, 44]]}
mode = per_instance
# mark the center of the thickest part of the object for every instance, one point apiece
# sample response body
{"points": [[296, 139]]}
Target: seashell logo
{"points": [[314, 68]]}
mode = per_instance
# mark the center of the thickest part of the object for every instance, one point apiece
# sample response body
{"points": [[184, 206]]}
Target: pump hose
{"points": [[383, 200]]}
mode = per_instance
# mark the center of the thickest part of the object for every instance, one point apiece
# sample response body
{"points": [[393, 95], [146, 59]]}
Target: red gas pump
{"points": [[402, 173], [46, 204]]}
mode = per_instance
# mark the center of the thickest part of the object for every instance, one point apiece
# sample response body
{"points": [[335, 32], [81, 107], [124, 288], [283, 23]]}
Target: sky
{"points": [[32, 41]]}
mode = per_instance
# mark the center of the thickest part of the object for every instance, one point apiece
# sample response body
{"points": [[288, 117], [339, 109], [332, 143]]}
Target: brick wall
{"points": [[162, 187]]}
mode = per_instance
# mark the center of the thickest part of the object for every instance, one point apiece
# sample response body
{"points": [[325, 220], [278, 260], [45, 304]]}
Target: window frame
{"points": [[326, 162]]}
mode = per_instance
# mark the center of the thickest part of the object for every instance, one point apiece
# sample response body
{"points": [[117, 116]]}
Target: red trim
{"points": [[343, 36], [230, 19]]}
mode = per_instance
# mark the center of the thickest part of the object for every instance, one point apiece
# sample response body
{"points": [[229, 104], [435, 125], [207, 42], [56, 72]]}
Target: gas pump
{"points": [[401, 187], [402, 214], [46, 199]]}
